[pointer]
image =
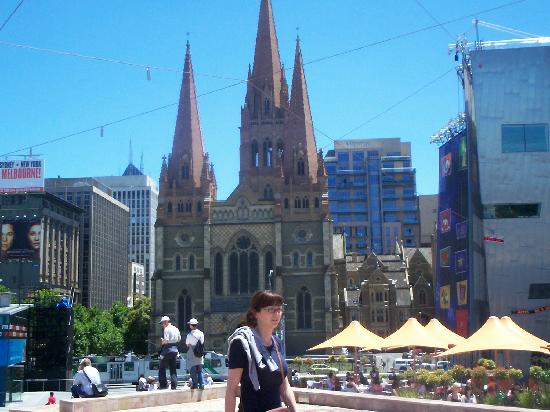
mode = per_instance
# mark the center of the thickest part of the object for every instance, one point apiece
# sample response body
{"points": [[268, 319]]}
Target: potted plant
{"points": [[479, 378], [501, 377], [488, 364], [460, 373], [535, 377], [298, 362]]}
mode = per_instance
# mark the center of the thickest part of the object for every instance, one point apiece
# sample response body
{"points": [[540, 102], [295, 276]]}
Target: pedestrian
{"points": [[168, 353], [208, 381], [51, 399], [83, 379], [468, 396], [257, 360], [195, 353], [142, 383], [394, 379]]}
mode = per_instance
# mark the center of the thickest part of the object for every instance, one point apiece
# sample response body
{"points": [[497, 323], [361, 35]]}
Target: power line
{"points": [[434, 19], [11, 15], [348, 51]]}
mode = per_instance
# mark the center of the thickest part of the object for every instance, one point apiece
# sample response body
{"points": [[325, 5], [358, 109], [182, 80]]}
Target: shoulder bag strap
{"points": [[280, 360], [87, 377]]}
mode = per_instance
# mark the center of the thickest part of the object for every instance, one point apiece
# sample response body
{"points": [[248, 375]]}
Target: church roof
{"points": [[426, 252], [131, 170]]}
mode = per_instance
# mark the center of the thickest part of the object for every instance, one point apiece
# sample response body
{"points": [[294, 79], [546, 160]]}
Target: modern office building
{"points": [[136, 281], [139, 192], [372, 194], [427, 205], [504, 215], [103, 257], [40, 243]]}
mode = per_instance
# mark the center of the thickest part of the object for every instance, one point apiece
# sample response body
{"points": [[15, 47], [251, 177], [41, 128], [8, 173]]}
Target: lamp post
{"points": [[281, 331]]}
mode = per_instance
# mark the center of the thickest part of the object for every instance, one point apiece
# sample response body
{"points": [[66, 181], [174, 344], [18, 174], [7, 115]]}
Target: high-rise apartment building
{"points": [[427, 205], [103, 257], [372, 194], [139, 192]]}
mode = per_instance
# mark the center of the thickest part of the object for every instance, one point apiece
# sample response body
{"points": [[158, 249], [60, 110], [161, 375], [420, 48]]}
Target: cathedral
{"points": [[273, 231]]}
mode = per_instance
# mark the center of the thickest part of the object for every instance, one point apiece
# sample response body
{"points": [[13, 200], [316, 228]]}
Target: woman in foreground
{"points": [[257, 360]]}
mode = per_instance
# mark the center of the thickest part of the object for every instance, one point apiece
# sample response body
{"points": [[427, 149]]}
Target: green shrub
{"points": [[546, 376], [433, 380], [487, 363], [536, 372], [479, 373], [407, 393], [446, 379], [534, 399], [423, 376], [515, 374], [500, 373], [408, 374], [460, 373]]}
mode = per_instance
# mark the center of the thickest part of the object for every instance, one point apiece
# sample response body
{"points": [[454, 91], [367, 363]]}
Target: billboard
{"points": [[21, 239], [21, 175], [453, 246]]}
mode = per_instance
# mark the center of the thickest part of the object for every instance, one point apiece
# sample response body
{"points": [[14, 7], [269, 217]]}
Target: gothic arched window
{"points": [[169, 207], [244, 267], [218, 274], [422, 297], [316, 203], [297, 203], [295, 259], [268, 153], [309, 259], [301, 167], [177, 263], [304, 309], [286, 203], [185, 171], [185, 311], [191, 260], [255, 155], [305, 203], [268, 264], [266, 106], [268, 192], [199, 206], [188, 207], [180, 207]]}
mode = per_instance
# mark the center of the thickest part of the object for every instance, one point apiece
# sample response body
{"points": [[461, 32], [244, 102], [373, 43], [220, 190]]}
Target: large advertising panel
{"points": [[21, 175], [21, 239], [453, 251]]}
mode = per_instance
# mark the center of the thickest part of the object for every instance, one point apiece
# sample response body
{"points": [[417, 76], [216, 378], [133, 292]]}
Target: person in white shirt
{"points": [[142, 383], [168, 354], [194, 363], [83, 379], [208, 379]]}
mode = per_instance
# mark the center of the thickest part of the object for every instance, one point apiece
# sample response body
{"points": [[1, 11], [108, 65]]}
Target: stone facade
{"points": [[272, 232]]}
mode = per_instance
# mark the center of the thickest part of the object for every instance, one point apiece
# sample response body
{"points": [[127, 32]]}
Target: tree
{"points": [[81, 330], [136, 326], [119, 312]]}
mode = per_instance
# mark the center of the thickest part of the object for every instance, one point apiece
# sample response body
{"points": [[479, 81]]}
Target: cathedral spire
{"points": [[266, 74], [188, 146], [300, 114]]}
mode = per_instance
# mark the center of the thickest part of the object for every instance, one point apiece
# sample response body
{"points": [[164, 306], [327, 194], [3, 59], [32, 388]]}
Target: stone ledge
{"points": [[382, 403]]}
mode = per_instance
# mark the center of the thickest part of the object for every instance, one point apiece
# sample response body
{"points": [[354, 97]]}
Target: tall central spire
{"points": [[266, 74], [188, 146]]}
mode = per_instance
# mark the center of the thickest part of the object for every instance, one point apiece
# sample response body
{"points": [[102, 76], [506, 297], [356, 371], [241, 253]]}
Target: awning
{"points": [[413, 334], [354, 336], [436, 329]]}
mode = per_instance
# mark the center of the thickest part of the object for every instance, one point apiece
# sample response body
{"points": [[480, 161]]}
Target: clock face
{"points": [[184, 239], [302, 235]]}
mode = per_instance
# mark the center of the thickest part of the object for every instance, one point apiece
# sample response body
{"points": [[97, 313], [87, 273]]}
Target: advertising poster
{"points": [[462, 322], [21, 239], [18, 175], [453, 251], [445, 220], [445, 297], [462, 292], [447, 164]]}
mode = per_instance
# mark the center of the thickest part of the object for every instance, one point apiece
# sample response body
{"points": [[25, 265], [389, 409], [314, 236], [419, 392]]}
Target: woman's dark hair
{"points": [[261, 299]]}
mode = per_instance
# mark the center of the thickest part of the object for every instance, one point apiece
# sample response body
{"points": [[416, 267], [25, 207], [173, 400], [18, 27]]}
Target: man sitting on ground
{"points": [[83, 379]]}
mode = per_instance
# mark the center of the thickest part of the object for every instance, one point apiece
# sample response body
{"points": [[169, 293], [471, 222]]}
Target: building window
{"points": [[511, 211], [286, 203], [304, 309], [268, 153], [268, 192], [191, 260], [309, 259], [177, 265], [184, 309], [218, 274], [255, 155], [244, 267], [185, 171], [199, 206], [280, 150], [187, 207], [266, 106], [268, 264], [422, 297], [297, 203], [539, 291], [316, 203], [295, 259], [169, 207], [301, 167], [524, 138]]}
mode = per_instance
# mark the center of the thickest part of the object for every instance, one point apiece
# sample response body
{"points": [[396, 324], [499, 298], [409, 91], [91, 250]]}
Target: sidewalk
{"points": [[36, 399]]}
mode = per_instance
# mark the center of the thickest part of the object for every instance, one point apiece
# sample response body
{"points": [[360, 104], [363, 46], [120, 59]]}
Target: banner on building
{"points": [[445, 297], [21, 239], [21, 175], [462, 292]]}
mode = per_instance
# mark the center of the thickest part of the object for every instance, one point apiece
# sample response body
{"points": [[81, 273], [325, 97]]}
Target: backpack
{"points": [[198, 349]]}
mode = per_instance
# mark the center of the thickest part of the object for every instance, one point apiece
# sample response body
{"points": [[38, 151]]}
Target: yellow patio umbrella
{"points": [[495, 335], [514, 327], [353, 336], [413, 334], [438, 330]]}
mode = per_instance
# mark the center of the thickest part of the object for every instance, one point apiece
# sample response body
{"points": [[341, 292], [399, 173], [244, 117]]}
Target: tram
{"points": [[126, 369]]}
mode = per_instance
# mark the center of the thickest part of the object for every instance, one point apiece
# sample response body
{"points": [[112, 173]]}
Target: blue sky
{"points": [[45, 96]]}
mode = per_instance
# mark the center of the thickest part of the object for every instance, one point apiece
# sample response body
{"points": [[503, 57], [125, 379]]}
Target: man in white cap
{"points": [[168, 353], [195, 344]]}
